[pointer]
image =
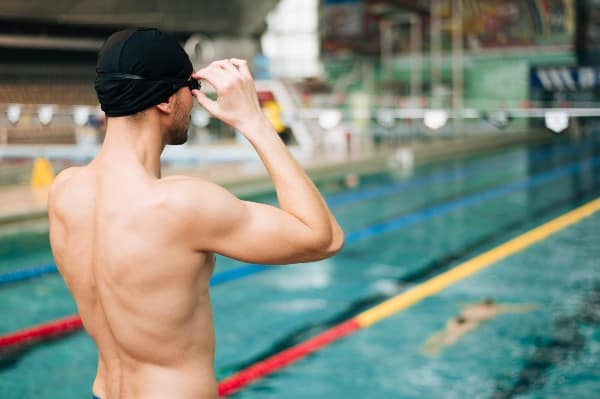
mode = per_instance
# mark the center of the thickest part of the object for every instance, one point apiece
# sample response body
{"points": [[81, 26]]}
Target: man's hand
{"points": [[237, 102]]}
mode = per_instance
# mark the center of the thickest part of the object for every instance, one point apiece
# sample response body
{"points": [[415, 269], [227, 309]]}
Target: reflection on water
{"points": [[566, 343]]}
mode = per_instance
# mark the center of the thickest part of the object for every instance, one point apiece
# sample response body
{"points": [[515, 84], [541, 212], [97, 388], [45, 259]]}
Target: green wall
{"points": [[491, 80]]}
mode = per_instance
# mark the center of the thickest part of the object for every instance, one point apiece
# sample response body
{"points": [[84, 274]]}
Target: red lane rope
{"points": [[286, 357], [229, 385], [52, 329]]}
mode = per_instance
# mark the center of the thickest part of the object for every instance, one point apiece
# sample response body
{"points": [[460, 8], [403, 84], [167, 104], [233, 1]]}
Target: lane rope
{"points": [[339, 200], [27, 273], [45, 331], [404, 300], [407, 220]]}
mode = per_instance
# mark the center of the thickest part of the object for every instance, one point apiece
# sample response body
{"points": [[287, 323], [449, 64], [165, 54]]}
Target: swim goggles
{"points": [[176, 84]]}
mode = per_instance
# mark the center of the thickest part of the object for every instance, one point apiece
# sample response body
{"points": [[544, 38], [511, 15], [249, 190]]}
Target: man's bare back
{"points": [[141, 292], [137, 250]]}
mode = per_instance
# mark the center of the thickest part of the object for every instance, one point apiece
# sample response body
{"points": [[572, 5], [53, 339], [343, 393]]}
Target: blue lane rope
{"points": [[443, 177], [487, 195], [344, 199], [27, 273], [446, 207], [236, 273]]}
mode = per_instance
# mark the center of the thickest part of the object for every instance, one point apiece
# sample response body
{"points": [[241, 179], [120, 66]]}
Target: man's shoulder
{"points": [[62, 181], [62, 193], [64, 176], [192, 193], [179, 184]]}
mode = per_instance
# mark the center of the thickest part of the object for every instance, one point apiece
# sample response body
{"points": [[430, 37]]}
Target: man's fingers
{"points": [[228, 66], [213, 75], [206, 102], [242, 66]]}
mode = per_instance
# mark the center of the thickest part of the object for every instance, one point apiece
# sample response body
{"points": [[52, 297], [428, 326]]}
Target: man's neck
{"points": [[141, 142]]}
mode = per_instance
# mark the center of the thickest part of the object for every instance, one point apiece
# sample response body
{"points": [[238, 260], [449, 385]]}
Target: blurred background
{"points": [[344, 76], [454, 124]]}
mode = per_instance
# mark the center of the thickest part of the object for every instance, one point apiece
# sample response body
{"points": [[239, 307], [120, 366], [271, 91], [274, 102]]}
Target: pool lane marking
{"points": [[65, 326], [443, 177], [407, 220], [379, 228], [406, 299], [51, 329], [286, 357], [428, 213], [473, 199], [430, 270], [362, 320], [335, 201], [27, 273], [466, 269]]}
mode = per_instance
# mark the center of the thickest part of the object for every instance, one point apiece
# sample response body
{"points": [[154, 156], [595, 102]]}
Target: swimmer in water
{"points": [[455, 328], [489, 308], [137, 251], [469, 319]]}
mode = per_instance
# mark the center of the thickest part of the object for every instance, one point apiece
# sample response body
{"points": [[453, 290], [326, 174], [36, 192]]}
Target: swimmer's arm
{"points": [[520, 308], [215, 220], [448, 336], [499, 309], [434, 344]]}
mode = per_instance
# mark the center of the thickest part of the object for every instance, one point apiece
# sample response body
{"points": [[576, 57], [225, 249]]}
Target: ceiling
{"points": [[213, 17]]}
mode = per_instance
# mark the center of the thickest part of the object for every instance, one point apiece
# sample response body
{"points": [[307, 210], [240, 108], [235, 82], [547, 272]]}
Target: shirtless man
{"points": [[137, 251]]}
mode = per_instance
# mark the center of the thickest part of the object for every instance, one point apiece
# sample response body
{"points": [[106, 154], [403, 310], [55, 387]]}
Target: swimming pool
{"points": [[401, 230]]}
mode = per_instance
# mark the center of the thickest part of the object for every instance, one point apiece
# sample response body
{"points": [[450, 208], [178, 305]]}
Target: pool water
{"points": [[402, 230]]}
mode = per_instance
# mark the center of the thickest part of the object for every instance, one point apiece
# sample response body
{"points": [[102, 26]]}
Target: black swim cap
{"points": [[139, 68]]}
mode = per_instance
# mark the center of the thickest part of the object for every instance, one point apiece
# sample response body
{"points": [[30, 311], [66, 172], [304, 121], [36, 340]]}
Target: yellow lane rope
{"points": [[470, 267]]}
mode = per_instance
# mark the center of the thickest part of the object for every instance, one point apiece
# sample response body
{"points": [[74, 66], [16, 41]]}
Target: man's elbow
{"points": [[337, 241], [332, 245]]}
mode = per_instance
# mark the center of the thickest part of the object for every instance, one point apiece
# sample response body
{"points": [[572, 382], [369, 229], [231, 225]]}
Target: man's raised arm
{"points": [[303, 228]]}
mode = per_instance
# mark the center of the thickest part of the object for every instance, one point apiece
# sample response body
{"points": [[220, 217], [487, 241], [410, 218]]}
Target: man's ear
{"points": [[168, 106]]}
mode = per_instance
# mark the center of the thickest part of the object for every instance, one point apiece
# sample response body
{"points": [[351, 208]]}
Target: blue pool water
{"points": [[433, 219]]}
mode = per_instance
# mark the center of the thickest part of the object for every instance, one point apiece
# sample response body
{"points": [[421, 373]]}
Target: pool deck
{"points": [[20, 204]]}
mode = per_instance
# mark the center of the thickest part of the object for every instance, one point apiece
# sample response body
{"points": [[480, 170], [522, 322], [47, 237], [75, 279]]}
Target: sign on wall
{"points": [[565, 78]]}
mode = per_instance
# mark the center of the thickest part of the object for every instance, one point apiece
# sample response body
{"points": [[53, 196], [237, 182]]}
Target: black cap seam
{"points": [[123, 46]]}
